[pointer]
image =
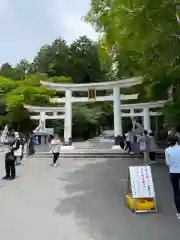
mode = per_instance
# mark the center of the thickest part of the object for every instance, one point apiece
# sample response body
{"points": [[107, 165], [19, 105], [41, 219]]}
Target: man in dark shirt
{"points": [[10, 158]]}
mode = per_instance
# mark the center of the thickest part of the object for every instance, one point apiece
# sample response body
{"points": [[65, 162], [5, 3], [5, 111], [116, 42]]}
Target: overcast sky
{"points": [[26, 25]]}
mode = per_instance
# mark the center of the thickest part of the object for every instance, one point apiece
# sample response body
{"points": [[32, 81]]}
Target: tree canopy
{"points": [[142, 38]]}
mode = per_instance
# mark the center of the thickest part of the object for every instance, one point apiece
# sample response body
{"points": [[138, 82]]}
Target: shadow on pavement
{"points": [[95, 194]]}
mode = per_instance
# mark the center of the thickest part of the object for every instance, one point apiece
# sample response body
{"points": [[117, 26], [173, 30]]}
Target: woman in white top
{"points": [[55, 146], [128, 142]]}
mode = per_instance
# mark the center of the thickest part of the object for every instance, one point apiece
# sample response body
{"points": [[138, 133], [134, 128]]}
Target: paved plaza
{"points": [[83, 200]]}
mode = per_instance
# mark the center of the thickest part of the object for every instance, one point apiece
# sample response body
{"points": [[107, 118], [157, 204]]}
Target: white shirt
{"points": [[55, 145], [172, 156], [128, 136]]}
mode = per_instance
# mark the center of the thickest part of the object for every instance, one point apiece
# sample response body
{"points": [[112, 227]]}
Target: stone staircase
{"points": [[93, 153], [97, 147]]}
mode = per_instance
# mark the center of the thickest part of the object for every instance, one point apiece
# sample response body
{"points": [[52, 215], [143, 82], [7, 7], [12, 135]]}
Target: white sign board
{"points": [[141, 182]]}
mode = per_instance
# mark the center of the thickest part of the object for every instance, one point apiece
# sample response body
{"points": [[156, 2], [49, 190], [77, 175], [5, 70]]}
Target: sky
{"points": [[26, 25]]}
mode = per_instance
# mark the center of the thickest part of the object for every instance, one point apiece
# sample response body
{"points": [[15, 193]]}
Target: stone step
{"points": [[93, 154], [92, 151]]}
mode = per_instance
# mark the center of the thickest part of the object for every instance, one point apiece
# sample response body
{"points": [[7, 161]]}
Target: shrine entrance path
{"points": [[83, 200]]}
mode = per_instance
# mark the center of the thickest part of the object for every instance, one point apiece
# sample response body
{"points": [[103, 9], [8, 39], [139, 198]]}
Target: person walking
{"points": [[55, 147], [128, 142], [172, 157], [152, 148]]}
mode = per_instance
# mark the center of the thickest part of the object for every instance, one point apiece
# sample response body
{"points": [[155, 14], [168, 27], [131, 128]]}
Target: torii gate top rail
{"points": [[124, 83]]}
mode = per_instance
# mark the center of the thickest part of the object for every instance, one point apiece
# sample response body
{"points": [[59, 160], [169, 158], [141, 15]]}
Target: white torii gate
{"points": [[116, 98], [43, 116], [69, 88]]}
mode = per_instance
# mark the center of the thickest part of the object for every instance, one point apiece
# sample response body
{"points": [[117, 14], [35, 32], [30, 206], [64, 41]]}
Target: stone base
{"points": [[116, 147], [67, 148]]}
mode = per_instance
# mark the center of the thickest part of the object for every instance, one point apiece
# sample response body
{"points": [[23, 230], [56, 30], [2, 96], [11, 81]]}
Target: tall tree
{"points": [[53, 59], [144, 38], [6, 71], [22, 69], [142, 35], [85, 62]]}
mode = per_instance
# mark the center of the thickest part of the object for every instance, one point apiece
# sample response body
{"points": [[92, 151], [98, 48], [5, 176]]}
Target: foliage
{"points": [[84, 59], [61, 79], [88, 120], [142, 38], [6, 85], [140, 34]]}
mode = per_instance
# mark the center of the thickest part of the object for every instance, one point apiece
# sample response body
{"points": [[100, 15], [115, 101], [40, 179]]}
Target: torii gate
{"points": [[116, 98], [58, 113]]}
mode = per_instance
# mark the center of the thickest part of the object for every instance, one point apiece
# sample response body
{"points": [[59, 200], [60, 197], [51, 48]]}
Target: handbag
{"points": [[18, 152]]}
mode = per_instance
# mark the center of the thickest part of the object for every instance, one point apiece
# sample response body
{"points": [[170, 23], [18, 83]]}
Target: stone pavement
{"points": [[81, 200]]}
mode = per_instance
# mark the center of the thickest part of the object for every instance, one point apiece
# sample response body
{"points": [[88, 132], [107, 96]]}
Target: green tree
{"points": [[143, 38], [7, 71], [17, 93], [141, 35], [22, 69], [85, 62], [53, 59], [87, 118]]}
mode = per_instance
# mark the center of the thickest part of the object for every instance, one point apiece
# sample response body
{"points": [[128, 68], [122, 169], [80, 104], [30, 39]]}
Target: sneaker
{"points": [[12, 178], [178, 215], [55, 165], [131, 153], [5, 178]]}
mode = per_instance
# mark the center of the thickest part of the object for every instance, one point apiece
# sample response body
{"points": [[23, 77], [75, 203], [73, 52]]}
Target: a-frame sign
{"points": [[140, 195]]}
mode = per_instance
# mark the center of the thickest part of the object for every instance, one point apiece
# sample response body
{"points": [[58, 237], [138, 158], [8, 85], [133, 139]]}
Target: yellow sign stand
{"points": [[140, 195]]}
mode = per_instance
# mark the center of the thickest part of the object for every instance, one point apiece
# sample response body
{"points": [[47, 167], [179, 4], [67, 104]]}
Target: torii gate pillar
{"points": [[68, 122], [117, 118]]}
